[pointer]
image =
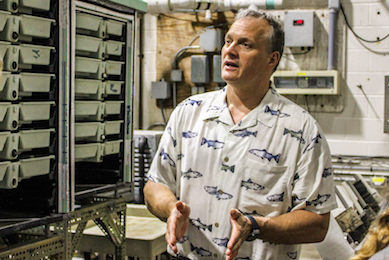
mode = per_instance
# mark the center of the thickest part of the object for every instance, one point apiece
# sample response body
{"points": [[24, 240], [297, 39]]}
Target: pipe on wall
{"points": [[333, 6], [169, 6]]}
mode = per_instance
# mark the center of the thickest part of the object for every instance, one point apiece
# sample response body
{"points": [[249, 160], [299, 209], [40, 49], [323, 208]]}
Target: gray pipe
{"points": [[333, 5]]}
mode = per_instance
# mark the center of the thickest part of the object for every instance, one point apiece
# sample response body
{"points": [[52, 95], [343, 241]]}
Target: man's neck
{"points": [[241, 101]]}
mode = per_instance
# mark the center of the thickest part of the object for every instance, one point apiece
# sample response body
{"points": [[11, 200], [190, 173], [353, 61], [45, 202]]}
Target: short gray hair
{"points": [[276, 37]]}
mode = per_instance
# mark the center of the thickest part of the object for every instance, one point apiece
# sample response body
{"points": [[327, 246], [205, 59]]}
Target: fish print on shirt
{"points": [[197, 223], [190, 174], [244, 133], [265, 155], [169, 131], [276, 112], [327, 172], [312, 144], [226, 168], [183, 240], [200, 251], [221, 108], [251, 185], [166, 156], [276, 197], [212, 143], [273, 91], [320, 200], [215, 120], [292, 255], [297, 135], [180, 156], [254, 213], [220, 195], [220, 241], [189, 134], [191, 102]]}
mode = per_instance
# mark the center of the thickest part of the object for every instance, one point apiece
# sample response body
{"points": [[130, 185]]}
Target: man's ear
{"points": [[274, 58]]}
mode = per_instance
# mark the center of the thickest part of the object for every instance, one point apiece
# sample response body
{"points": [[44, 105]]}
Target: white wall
{"points": [[358, 129]]}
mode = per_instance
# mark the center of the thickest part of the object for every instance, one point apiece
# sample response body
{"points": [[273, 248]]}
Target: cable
{"points": [[348, 25]]}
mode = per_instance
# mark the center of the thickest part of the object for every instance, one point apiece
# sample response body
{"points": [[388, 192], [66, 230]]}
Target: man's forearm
{"points": [[296, 227], [159, 199]]}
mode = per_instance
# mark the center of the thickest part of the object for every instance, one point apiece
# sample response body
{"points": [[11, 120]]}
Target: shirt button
{"points": [[216, 224], [215, 255], [226, 159]]}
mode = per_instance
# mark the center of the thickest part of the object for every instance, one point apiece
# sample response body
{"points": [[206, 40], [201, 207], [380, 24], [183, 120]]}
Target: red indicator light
{"points": [[298, 22]]}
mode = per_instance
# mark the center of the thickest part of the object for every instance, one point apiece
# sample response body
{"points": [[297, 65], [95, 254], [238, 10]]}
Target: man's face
{"points": [[245, 55]]}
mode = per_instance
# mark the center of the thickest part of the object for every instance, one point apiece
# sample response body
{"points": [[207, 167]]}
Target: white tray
{"points": [[113, 88], [91, 68], [90, 46], [89, 89], [90, 25], [32, 139], [90, 110], [91, 132], [89, 152], [34, 166]]}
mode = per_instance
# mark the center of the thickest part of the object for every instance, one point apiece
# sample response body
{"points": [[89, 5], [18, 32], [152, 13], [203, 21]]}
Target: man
{"points": [[242, 173]]}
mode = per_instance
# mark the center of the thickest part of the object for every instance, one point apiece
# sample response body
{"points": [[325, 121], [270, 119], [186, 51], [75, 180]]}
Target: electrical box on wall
{"points": [[299, 28], [315, 82], [199, 69]]}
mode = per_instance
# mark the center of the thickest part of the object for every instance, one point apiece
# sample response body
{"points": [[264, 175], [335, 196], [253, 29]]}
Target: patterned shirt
{"points": [[275, 160]]}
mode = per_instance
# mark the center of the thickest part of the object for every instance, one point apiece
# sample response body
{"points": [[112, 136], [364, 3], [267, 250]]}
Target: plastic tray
{"points": [[113, 107], [34, 55], [90, 25], [90, 110], [9, 175], [114, 48], [10, 56], [112, 147], [32, 139], [35, 111], [90, 132], [33, 26], [91, 68], [113, 88], [34, 83], [89, 152], [114, 27], [9, 116], [34, 166], [113, 127], [114, 67], [90, 46], [9, 143], [9, 86], [89, 89]]}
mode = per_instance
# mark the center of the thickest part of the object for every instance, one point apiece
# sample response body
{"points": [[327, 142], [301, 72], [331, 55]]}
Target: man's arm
{"points": [[159, 199], [163, 204], [296, 227]]}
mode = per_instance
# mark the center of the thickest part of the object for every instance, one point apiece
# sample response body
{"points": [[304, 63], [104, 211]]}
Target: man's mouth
{"points": [[231, 64]]}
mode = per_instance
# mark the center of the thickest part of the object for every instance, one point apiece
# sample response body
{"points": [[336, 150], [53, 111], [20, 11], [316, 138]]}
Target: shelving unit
{"points": [[66, 97]]}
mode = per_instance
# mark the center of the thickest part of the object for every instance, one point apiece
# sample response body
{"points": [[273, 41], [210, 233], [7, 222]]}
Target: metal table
{"points": [[145, 235]]}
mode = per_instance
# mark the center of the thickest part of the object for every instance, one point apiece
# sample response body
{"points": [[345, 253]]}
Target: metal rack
{"points": [[49, 185]]}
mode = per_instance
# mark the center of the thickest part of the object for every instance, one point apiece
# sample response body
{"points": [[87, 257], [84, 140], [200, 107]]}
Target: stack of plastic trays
{"points": [[99, 89], [28, 89]]}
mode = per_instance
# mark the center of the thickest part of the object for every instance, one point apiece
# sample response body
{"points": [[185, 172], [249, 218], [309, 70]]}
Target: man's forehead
{"points": [[249, 24]]}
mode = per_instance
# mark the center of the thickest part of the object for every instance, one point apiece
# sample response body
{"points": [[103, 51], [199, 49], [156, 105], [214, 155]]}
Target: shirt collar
{"points": [[265, 113]]}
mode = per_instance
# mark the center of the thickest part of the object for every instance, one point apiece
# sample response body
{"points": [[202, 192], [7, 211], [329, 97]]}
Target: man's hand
{"points": [[177, 224], [241, 229]]}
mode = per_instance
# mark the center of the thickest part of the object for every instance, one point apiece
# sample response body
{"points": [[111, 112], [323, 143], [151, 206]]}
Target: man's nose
{"points": [[231, 49]]}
